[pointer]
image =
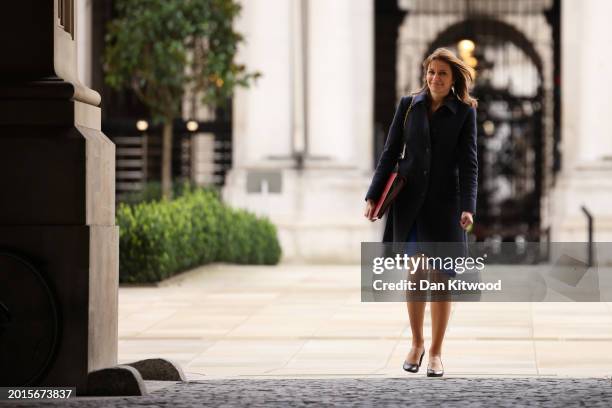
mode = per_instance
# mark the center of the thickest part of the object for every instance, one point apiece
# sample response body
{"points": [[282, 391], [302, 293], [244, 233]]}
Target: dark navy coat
{"points": [[440, 165]]}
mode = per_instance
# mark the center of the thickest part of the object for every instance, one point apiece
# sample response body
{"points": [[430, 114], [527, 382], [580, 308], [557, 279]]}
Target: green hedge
{"points": [[158, 239]]}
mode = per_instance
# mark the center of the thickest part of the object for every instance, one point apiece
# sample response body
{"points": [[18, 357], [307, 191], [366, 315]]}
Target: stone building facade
{"points": [[306, 136]]}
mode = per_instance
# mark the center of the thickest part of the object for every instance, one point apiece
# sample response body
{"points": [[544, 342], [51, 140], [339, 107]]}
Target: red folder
{"points": [[394, 185]]}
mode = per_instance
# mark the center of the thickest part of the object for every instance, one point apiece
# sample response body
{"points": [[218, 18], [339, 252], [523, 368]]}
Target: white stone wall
{"points": [[586, 177], [587, 79], [319, 209]]}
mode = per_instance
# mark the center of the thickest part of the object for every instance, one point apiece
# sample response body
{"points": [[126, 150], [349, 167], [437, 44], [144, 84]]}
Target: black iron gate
{"points": [[503, 40]]}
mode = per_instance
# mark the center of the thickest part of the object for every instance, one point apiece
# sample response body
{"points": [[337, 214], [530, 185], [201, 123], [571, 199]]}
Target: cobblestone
{"points": [[448, 392]]}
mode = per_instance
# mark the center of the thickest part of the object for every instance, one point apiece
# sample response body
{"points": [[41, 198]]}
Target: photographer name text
{"points": [[424, 284]]}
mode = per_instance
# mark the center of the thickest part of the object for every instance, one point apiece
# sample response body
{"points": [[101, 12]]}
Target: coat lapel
{"points": [[420, 107]]}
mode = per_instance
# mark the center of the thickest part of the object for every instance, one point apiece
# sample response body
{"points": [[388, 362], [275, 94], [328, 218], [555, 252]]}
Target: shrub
{"points": [[161, 238], [152, 191]]}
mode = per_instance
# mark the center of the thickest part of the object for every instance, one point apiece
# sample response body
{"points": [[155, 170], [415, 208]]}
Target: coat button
{"points": [[425, 172]]}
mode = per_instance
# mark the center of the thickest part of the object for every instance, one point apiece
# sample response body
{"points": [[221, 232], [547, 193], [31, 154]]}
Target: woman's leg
{"points": [[416, 307], [416, 314], [440, 313]]}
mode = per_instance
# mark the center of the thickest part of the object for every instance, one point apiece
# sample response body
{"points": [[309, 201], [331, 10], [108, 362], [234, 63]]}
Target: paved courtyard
{"points": [[307, 321]]}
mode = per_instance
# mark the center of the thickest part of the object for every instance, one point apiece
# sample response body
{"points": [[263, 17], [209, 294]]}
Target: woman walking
{"points": [[438, 126]]}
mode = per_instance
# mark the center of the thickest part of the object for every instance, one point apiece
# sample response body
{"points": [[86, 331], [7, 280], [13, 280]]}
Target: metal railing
{"points": [[138, 152], [590, 249]]}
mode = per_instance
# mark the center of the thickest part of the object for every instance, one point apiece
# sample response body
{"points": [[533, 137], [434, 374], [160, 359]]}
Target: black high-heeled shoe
{"points": [[435, 373], [411, 367]]}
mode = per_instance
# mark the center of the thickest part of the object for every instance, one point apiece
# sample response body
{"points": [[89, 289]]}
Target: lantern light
{"points": [[142, 125], [466, 46], [192, 125], [489, 128]]}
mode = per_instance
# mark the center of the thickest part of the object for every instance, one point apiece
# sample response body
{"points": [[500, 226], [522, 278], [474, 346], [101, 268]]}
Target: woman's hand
{"points": [[467, 219], [369, 210]]}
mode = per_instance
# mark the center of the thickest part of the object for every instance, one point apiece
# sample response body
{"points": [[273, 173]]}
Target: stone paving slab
{"points": [[366, 392]]}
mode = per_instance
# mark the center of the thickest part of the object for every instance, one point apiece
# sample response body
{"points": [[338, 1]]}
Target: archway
{"points": [[509, 86]]}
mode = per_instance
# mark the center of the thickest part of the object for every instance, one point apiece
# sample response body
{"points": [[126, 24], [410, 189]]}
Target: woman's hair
{"points": [[463, 75]]}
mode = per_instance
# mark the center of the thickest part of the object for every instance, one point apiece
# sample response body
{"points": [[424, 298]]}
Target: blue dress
{"points": [[412, 248]]}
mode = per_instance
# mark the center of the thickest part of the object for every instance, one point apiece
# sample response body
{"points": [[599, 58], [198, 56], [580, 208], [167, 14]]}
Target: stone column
{"points": [[341, 81], [58, 239], [262, 113], [84, 40], [309, 176], [586, 176]]}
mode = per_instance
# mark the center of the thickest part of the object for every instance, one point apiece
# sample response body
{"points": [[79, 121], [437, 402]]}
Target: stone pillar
{"points": [[341, 81], [586, 176], [262, 114], [309, 176], [84, 40], [58, 239]]}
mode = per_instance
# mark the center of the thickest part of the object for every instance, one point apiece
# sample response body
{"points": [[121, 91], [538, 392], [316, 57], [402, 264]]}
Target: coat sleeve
{"points": [[391, 151], [468, 163]]}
